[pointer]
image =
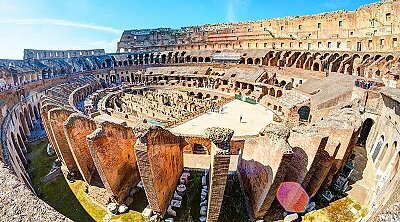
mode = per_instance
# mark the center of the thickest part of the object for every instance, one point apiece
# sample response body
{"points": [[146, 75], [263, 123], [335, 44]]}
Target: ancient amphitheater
{"points": [[313, 100]]}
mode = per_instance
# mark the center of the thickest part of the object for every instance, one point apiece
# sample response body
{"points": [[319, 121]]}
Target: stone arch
{"points": [[163, 58], [365, 58], [387, 158], [28, 118], [250, 61], [242, 60], [21, 131], [389, 58], [36, 111], [278, 93], [194, 59], [378, 147], [199, 95], [365, 130], [382, 154], [207, 59], [201, 59], [292, 59], [21, 142], [18, 148], [32, 115], [304, 113], [257, 61], [376, 57], [272, 92], [24, 123], [316, 66]]}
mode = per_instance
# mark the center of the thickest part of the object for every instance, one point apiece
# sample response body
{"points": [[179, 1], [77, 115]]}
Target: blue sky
{"points": [[87, 24]]}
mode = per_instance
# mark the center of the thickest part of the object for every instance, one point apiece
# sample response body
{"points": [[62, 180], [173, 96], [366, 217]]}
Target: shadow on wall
{"points": [[360, 157], [296, 171], [256, 179], [297, 168]]}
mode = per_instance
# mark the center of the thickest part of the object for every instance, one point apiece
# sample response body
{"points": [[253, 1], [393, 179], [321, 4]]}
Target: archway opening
{"points": [[36, 111], [378, 148], [199, 95], [304, 113], [365, 130], [316, 67]]}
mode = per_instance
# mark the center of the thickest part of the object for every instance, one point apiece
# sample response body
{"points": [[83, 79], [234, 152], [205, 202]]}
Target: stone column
{"points": [[220, 159]]}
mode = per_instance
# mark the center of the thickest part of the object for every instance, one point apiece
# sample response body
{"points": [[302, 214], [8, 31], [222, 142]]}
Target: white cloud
{"points": [[233, 7], [59, 22], [110, 46], [230, 12]]}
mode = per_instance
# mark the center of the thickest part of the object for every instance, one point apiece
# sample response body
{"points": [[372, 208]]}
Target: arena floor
{"points": [[254, 118]]}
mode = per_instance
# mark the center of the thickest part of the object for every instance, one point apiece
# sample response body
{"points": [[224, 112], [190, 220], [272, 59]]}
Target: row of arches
{"points": [[383, 152], [17, 126], [370, 65]]}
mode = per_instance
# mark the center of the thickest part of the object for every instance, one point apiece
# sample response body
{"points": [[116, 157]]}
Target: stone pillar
{"points": [[220, 159]]}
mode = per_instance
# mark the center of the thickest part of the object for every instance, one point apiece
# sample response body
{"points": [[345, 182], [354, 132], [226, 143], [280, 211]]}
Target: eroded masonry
{"points": [[313, 100]]}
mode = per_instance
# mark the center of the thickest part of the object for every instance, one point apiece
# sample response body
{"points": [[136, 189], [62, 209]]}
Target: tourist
{"points": [[240, 119]]}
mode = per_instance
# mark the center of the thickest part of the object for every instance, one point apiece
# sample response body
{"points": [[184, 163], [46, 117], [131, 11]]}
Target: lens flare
{"points": [[292, 197]]}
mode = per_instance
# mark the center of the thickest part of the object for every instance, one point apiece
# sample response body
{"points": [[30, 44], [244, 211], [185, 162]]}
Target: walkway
{"points": [[254, 118]]}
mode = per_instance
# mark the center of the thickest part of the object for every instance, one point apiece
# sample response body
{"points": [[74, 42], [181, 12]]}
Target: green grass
{"points": [[70, 199], [234, 205], [56, 193]]}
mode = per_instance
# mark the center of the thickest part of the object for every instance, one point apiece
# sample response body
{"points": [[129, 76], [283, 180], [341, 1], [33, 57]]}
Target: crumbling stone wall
{"points": [[57, 118], [160, 161], [190, 141], [112, 149], [262, 167], [76, 128]]}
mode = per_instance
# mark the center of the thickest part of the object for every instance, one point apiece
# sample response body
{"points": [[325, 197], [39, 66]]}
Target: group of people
{"points": [[365, 84]]}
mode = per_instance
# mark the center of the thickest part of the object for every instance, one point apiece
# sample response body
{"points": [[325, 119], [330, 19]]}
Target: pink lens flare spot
{"points": [[292, 197]]}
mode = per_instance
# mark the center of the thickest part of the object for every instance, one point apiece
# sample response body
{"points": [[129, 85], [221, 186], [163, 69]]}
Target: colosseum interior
{"points": [[312, 101]]}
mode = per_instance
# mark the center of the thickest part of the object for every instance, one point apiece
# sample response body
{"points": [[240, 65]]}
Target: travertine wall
{"points": [[369, 28], [44, 109], [48, 54], [112, 149], [383, 147]]}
